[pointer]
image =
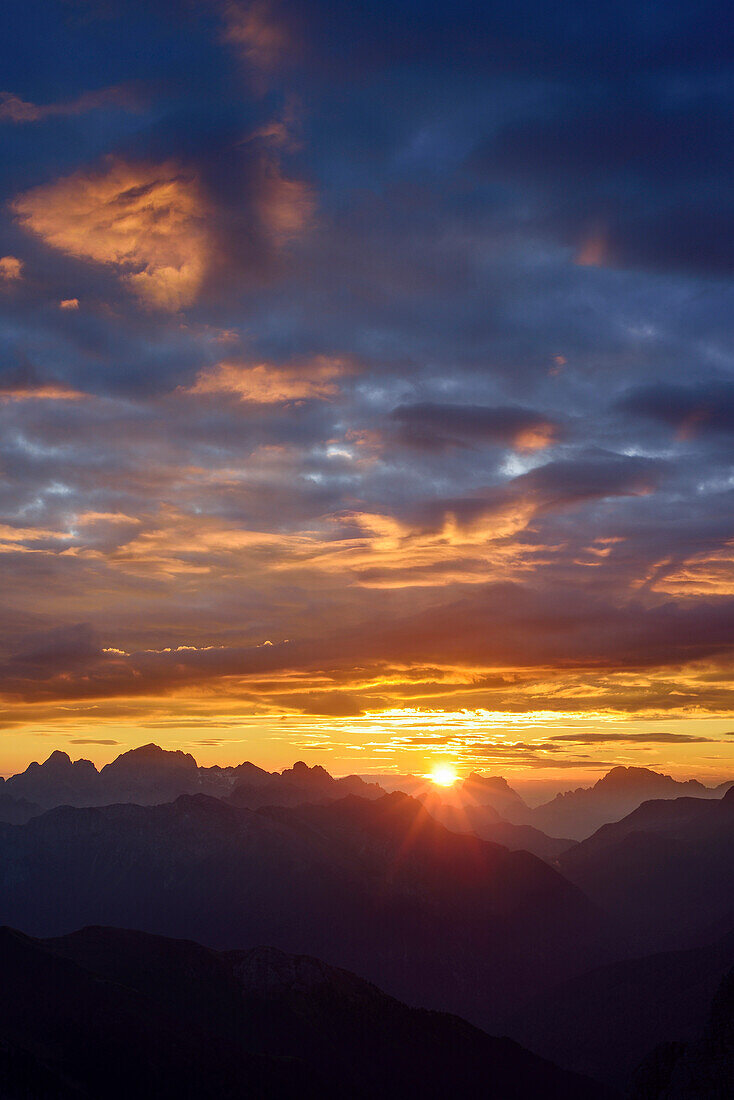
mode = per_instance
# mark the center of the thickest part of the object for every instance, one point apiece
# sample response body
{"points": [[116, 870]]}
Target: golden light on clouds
{"points": [[11, 268], [707, 574], [593, 251], [285, 206], [44, 391], [254, 30], [17, 110], [265, 384], [147, 221], [371, 550], [536, 438]]}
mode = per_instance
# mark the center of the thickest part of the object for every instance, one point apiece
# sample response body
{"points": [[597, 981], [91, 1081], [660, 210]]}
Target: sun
{"points": [[444, 775]]}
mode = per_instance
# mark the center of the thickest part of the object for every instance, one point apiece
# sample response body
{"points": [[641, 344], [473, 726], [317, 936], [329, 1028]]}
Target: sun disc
{"points": [[443, 775]]}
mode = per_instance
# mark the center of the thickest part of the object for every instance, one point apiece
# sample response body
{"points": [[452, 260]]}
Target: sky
{"points": [[366, 388]]}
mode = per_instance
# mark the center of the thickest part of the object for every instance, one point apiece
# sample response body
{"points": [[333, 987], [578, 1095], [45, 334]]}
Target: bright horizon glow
{"points": [[444, 775]]}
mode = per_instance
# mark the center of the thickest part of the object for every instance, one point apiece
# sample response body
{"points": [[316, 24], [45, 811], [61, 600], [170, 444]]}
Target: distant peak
{"points": [[498, 782], [58, 757], [629, 776], [153, 753], [270, 970], [301, 770]]}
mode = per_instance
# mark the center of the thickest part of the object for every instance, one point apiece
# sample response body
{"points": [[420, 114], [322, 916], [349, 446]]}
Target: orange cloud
{"points": [[69, 303], [707, 574], [148, 221], [43, 391], [14, 539], [286, 206], [536, 438], [85, 519], [593, 251], [17, 110], [263, 384], [11, 268], [385, 552], [257, 33]]}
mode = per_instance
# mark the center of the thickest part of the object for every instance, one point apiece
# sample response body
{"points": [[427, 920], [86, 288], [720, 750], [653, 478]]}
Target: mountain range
{"points": [[579, 813], [589, 953], [605, 1022], [436, 918], [486, 822], [666, 870], [111, 1013], [150, 775], [698, 1070]]}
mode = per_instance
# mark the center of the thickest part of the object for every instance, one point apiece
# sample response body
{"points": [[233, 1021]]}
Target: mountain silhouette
{"points": [[580, 813], [495, 791], [701, 1070], [604, 1022], [436, 918], [150, 775], [16, 811], [299, 784], [486, 822], [106, 1012], [665, 869], [56, 782]]}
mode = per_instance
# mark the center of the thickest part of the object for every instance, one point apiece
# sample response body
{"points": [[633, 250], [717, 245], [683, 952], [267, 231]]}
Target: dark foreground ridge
{"points": [[443, 920], [701, 1070], [667, 869], [114, 1014]]}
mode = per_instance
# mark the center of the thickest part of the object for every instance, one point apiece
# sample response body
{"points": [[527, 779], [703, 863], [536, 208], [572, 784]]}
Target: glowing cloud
{"points": [[593, 251], [41, 391], [707, 574], [255, 31], [11, 269], [286, 206], [148, 221], [17, 110], [263, 384]]}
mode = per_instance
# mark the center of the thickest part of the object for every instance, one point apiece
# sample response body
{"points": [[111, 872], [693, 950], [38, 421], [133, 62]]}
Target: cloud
{"points": [[584, 738], [26, 384], [147, 221], [13, 539], [286, 206], [709, 573], [627, 175], [17, 110], [69, 303], [258, 32], [689, 411], [593, 252], [11, 269], [337, 704], [503, 236], [438, 426], [266, 384], [92, 741]]}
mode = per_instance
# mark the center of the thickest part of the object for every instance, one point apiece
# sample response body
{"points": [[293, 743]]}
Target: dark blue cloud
{"points": [[510, 223]]}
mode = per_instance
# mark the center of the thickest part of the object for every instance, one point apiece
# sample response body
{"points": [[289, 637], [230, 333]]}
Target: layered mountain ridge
{"points": [[107, 1012], [438, 918]]}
